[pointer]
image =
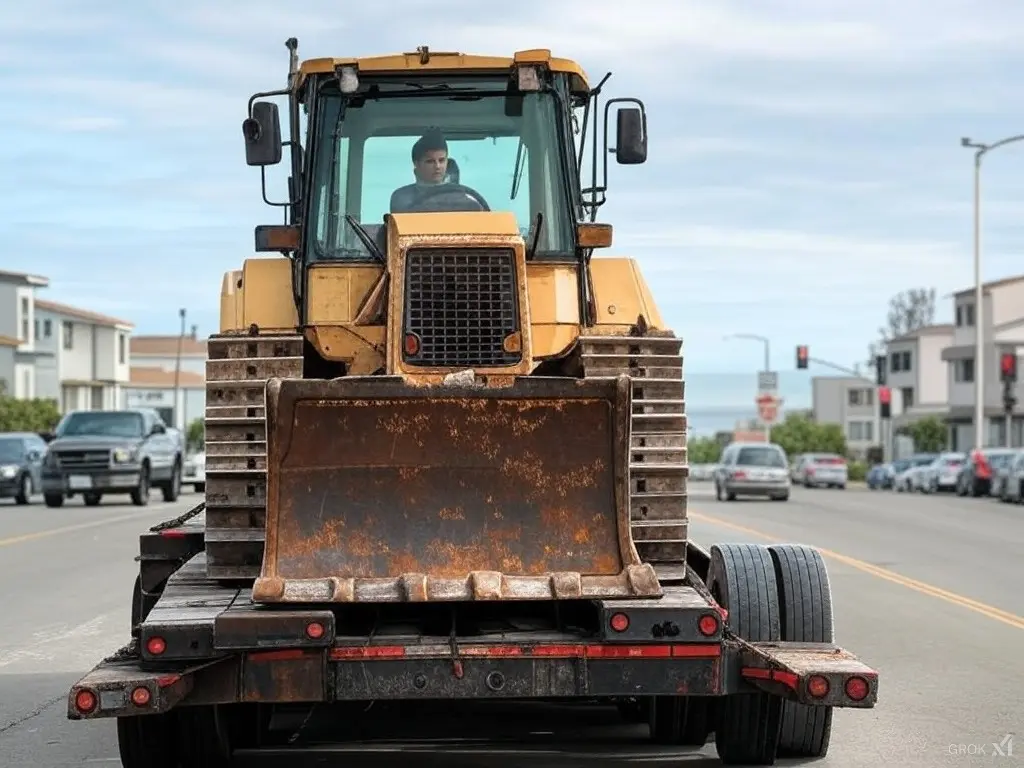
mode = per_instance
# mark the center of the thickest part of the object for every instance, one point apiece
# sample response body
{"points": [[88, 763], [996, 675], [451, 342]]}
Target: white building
{"points": [[917, 374], [152, 377], [91, 356]]}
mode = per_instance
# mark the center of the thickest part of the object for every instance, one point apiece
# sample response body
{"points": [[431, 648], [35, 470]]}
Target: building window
{"points": [[860, 431], [907, 395], [47, 328], [862, 397], [121, 348], [965, 315], [69, 334], [900, 361], [25, 327], [963, 370]]}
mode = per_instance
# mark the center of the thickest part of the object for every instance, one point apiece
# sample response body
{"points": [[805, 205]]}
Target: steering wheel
{"points": [[457, 197]]}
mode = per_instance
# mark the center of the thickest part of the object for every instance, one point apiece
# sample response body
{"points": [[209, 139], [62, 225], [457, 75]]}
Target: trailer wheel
{"points": [[741, 578], [147, 741], [682, 720], [806, 602], [204, 737]]}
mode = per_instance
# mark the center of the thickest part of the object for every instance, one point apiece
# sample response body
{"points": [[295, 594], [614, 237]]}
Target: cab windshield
{"points": [[509, 150], [101, 424]]}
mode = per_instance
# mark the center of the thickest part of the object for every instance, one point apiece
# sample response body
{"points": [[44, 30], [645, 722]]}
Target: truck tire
{"points": [[680, 720], [741, 578], [148, 741], [140, 496], [54, 499], [805, 596], [203, 734], [172, 490]]}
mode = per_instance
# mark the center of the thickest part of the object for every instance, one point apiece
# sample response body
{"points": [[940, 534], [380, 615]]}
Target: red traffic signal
{"points": [[801, 356], [884, 395], [1008, 366]]}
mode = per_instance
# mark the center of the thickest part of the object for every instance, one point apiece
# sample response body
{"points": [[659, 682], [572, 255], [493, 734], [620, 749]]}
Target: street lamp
{"points": [[980, 150], [177, 373], [767, 364]]}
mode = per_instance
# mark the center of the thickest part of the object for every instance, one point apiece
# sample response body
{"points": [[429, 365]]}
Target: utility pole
{"points": [[980, 149], [767, 382], [177, 372]]}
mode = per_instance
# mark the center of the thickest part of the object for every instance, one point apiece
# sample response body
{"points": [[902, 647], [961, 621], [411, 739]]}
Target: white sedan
{"points": [[195, 471]]}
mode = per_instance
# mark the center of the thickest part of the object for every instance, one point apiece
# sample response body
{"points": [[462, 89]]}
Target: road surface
{"points": [[928, 590]]}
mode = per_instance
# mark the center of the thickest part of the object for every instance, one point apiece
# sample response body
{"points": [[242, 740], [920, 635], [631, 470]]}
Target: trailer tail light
{"points": [[85, 701], [818, 686], [857, 688], [155, 646], [708, 624], [141, 696], [314, 630], [619, 622]]}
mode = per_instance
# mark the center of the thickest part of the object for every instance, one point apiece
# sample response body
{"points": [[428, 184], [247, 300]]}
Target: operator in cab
{"points": [[436, 180]]}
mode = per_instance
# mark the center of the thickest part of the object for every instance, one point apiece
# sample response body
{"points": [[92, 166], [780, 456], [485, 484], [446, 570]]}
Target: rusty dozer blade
{"points": [[382, 491]]}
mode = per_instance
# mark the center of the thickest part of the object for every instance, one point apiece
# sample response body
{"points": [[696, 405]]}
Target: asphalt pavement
{"points": [[928, 590]]}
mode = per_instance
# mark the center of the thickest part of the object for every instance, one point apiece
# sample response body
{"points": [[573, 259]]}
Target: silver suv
{"points": [[752, 469]]}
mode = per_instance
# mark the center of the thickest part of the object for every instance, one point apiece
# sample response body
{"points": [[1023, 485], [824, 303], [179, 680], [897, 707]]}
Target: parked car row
{"points": [[97, 453], [995, 472]]}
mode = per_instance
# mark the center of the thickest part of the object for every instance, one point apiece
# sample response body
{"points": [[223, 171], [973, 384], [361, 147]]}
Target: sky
{"points": [[804, 155]]}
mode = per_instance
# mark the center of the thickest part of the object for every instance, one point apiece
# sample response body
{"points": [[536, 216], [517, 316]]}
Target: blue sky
{"points": [[804, 155]]}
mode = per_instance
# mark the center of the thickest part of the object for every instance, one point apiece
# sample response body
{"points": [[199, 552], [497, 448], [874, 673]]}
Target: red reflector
{"points": [[620, 622], [165, 680], [140, 696], [314, 630], [368, 652], [817, 686], [155, 646], [857, 688], [173, 534], [412, 344], [708, 625], [629, 651], [85, 701]]}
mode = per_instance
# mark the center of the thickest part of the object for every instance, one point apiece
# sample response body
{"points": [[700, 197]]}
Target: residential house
{"points": [[91, 353], [917, 375], [154, 387], [1002, 322], [849, 402], [153, 379], [20, 357]]}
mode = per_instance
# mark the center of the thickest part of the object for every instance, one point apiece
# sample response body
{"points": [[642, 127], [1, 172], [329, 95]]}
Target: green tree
{"points": [[28, 415], [929, 434], [800, 434], [195, 435], [703, 450]]}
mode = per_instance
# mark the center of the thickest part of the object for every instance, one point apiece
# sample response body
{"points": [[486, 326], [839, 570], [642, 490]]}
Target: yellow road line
{"points": [[997, 614], [67, 529]]}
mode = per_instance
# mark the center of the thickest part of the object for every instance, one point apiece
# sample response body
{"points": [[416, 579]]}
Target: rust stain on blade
{"points": [[373, 484]]}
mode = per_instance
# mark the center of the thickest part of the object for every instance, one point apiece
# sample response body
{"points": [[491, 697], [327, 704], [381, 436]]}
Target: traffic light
{"points": [[880, 370], [1008, 366], [801, 356], [885, 400]]}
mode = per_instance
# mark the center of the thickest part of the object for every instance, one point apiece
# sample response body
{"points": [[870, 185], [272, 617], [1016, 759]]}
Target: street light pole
{"points": [[980, 150], [767, 364], [177, 373]]}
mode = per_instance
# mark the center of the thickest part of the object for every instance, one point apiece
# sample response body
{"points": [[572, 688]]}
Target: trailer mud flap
{"points": [[383, 491]]}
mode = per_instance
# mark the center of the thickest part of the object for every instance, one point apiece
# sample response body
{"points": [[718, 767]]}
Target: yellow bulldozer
{"points": [[443, 397], [446, 450]]}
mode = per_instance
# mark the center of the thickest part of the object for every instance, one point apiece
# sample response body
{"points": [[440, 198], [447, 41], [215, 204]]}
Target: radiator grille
{"points": [[461, 303], [83, 460]]}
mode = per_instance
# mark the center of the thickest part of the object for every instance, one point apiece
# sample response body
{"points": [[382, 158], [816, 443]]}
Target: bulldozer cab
{"points": [[421, 456]]}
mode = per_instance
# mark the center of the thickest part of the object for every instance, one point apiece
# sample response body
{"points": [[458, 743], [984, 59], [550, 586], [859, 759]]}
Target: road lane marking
{"points": [[68, 529], [990, 611]]}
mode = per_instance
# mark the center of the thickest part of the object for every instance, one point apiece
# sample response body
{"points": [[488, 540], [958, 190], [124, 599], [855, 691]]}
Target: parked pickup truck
{"points": [[95, 453]]}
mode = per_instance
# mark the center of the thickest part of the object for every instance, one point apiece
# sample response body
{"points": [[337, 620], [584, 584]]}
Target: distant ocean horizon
{"points": [[716, 401]]}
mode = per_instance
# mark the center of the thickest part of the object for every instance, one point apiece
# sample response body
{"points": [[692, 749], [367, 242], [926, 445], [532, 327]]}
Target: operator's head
{"points": [[430, 157]]}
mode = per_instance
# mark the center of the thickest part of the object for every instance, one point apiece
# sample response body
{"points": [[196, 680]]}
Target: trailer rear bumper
{"points": [[554, 670]]}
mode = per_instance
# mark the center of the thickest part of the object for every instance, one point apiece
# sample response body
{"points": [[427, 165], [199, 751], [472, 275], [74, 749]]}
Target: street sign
{"points": [[767, 381], [768, 408]]}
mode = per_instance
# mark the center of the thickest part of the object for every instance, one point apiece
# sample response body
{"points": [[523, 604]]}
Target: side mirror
{"points": [[33, 455], [158, 429], [262, 132], [630, 137], [48, 437]]}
